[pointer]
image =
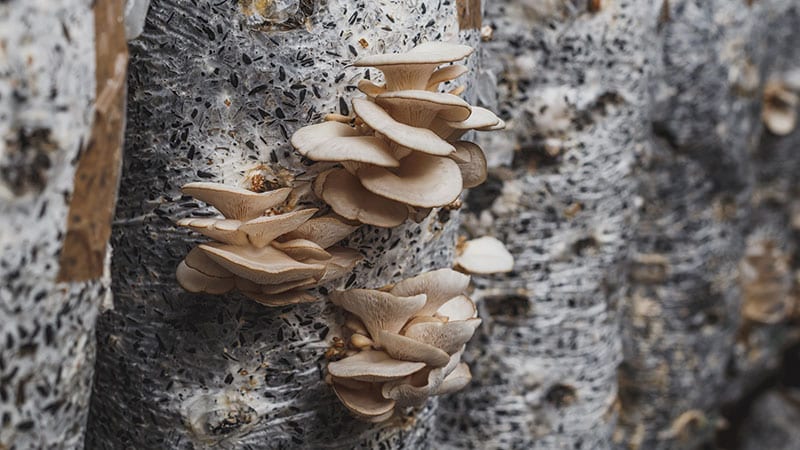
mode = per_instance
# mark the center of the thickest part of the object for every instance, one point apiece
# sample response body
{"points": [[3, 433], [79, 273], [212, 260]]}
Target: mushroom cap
{"points": [[364, 401], [285, 298], [379, 310], [409, 104], [302, 249], [421, 180], [427, 53], [438, 285], [458, 308], [485, 255], [471, 162], [263, 230], [223, 230], [414, 138], [408, 349], [325, 231], [348, 198], [263, 266], [334, 141], [417, 388], [198, 273], [456, 380], [341, 263], [373, 365], [234, 202], [448, 73], [370, 88], [248, 286], [448, 336]]}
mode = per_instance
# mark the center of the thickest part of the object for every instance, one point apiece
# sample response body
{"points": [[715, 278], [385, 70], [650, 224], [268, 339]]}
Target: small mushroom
{"points": [[439, 286], [263, 230], [444, 74], [236, 203], [419, 108], [336, 142], [780, 108], [364, 400], [485, 255], [458, 308], [379, 310], [408, 349], [198, 273], [471, 162], [348, 198], [372, 365], [266, 265], [448, 336], [456, 380], [325, 231]]}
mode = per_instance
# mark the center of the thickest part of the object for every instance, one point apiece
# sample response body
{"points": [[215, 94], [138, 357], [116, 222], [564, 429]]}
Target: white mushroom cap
{"points": [[421, 180], [414, 138], [485, 255], [408, 349], [413, 69], [471, 162], [448, 336], [456, 380], [263, 266], [198, 273], [286, 298], [302, 249], [364, 401], [334, 141], [418, 108], [448, 73], [439, 286], [234, 202], [481, 119], [458, 308], [348, 198], [372, 365], [223, 230], [379, 310], [325, 231], [779, 112], [263, 230]]}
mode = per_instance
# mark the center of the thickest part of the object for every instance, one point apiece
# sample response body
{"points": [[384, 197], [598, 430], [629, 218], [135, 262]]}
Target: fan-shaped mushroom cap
{"points": [[485, 255], [418, 108], [779, 113], [285, 298], [234, 202], [325, 231], [456, 380], [458, 308], [439, 286], [471, 162], [372, 365], [407, 349], [480, 119], [198, 273], [414, 138], [263, 230], [364, 401], [247, 286], [334, 141], [448, 73], [302, 249], [413, 69], [421, 180], [341, 262], [379, 310], [370, 88], [348, 198], [223, 230], [448, 336], [263, 266], [416, 389]]}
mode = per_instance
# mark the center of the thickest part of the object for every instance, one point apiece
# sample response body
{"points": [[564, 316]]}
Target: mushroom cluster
{"points": [[269, 255], [405, 343], [401, 154]]}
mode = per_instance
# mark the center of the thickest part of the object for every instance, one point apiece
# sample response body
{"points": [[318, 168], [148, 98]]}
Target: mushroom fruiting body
{"points": [[269, 258], [402, 154], [408, 339], [484, 255]]}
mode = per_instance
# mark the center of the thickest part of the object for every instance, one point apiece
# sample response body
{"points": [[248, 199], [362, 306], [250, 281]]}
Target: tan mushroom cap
{"points": [[373, 365], [234, 202], [447, 336], [265, 229], [302, 249], [341, 263], [456, 380], [263, 266], [417, 388], [414, 138], [336, 142], [485, 255], [248, 286], [364, 401], [471, 162], [780, 113], [444, 74], [439, 286], [348, 198], [198, 273], [458, 308], [370, 88], [413, 69], [286, 298], [378, 310], [418, 107], [325, 231], [408, 349], [223, 230], [421, 180]]}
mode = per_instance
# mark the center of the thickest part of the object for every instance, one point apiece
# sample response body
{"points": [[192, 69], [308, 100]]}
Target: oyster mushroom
{"points": [[484, 255]]}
